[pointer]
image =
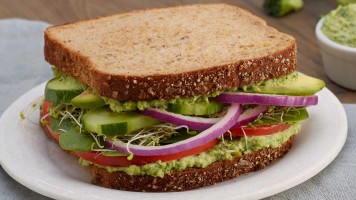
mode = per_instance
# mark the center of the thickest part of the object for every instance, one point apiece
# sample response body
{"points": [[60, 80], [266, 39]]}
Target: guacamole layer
{"points": [[228, 149]]}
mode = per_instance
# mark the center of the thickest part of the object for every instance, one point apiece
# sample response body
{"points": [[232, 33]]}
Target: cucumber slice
{"points": [[88, 100], [106, 122], [60, 91], [199, 108]]}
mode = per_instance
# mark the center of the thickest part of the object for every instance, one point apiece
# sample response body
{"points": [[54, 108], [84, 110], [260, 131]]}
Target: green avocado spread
{"points": [[223, 151], [340, 25], [68, 79]]}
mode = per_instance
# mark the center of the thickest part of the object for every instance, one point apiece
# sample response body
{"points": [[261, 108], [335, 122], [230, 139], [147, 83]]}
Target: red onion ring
{"points": [[195, 123], [200, 123], [266, 99], [250, 115], [209, 134]]}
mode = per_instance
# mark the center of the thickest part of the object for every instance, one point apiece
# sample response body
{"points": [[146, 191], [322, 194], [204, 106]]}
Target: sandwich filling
{"points": [[163, 136], [123, 106], [226, 150]]}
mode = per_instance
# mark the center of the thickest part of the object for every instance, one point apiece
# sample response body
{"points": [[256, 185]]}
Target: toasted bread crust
{"points": [[174, 85], [188, 179]]}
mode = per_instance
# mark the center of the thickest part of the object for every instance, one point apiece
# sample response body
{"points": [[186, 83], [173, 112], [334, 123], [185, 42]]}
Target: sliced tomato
{"points": [[258, 130], [121, 161], [45, 106]]}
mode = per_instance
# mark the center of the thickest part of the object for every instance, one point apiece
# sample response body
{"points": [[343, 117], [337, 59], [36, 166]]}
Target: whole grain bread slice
{"points": [[173, 52], [188, 179]]}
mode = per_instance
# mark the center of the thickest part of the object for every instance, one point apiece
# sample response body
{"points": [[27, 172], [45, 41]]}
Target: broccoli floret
{"points": [[279, 8], [345, 2]]}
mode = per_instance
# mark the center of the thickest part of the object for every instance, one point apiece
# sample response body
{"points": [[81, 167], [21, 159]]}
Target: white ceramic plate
{"points": [[39, 164]]}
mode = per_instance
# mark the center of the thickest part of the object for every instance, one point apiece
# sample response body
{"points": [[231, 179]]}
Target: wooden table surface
{"points": [[300, 24]]}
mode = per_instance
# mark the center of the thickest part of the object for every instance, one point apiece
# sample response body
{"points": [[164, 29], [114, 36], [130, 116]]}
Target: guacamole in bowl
{"points": [[340, 25]]}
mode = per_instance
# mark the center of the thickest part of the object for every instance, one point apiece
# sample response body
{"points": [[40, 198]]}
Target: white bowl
{"points": [[339, 60]]}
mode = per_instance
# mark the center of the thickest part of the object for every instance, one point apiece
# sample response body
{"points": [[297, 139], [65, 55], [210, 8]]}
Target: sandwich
{"points": [[174, 99]]}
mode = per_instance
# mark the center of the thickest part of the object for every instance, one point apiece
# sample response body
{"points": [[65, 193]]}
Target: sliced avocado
{"points": [[302, 86], [88, 100]]}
